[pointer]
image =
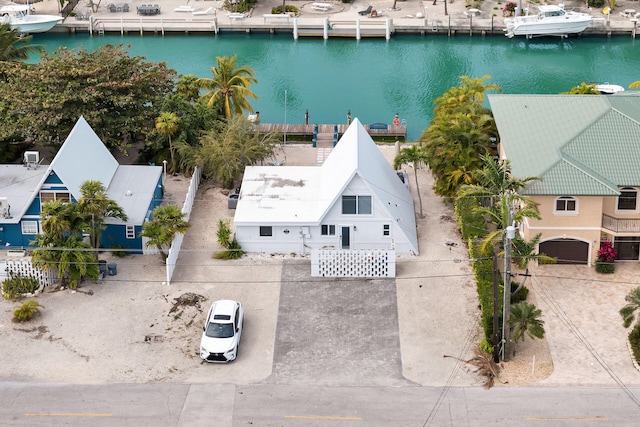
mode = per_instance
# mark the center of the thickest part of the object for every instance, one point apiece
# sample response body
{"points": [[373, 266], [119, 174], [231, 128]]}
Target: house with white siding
{"points": [[354, 200]]}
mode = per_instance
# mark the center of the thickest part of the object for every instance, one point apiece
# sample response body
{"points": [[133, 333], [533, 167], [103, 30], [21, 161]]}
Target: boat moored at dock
{"points": [[551, 20], [19, 17]]}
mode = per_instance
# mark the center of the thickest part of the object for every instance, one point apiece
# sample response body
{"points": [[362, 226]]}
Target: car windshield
{"points": [[219, 330]]}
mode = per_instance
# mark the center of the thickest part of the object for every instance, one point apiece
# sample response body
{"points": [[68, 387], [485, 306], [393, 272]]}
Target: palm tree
{"points": [[13, 47], [495, 179], [417, 157], [70, 257], [229, 86], [167, 124], [525, 321], [583, 89], [167, 221], [97, 206], [630, 312], [187, 87], [60, 218]]}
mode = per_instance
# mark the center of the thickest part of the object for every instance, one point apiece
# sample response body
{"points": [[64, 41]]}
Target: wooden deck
{"points": [[391, 131]]}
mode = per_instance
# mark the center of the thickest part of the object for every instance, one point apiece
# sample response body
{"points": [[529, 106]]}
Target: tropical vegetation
{"points": [[14, 46], [17, 285], [119, 95], [631, 316], [166, 222], [226, 149], [525, 321], [461, 132], [227, 240], [96, 206], [416, 156], [229, 88], [605, 258], [27, 311]]}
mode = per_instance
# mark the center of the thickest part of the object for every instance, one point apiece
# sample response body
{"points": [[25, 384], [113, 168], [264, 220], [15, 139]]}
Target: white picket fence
{"points": [[353, 263], [174, 250], [23, 267]]}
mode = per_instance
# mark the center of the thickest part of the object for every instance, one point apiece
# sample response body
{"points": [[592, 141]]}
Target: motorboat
{"points": [[608, 89], [551, 20], [19, 17]]}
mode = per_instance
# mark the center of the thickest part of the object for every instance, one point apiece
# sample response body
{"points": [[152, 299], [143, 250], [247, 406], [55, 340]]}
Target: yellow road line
{"points": [[567, 419], [66, 415], [323, 417]]}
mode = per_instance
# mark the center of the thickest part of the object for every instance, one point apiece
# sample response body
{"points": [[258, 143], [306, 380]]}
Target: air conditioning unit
{"points": [[31, 158]]}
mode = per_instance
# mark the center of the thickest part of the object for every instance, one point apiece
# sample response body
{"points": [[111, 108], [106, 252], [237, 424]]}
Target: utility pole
{"points": [[509, 234], [496, 311]]}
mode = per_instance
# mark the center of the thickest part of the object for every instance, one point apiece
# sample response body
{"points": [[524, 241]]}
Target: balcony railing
{"points": [[620, 225]]}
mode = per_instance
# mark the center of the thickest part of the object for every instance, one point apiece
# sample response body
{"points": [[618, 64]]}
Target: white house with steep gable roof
{"points": [[355, 200]]}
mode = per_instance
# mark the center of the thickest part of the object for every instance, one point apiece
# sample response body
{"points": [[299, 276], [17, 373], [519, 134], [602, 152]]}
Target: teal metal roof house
{"points": [[586, 149], [83, 156]]}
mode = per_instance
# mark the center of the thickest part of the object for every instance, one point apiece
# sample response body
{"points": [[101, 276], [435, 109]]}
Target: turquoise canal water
{"points": [[375, 78]]}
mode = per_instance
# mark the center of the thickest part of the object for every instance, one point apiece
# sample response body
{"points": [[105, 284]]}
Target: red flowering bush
{"points": [[509, 9], [607, 253], [606, 256]]}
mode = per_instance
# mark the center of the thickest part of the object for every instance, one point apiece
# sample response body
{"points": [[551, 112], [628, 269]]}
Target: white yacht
{"points": [[551, 20], [19, 17]]}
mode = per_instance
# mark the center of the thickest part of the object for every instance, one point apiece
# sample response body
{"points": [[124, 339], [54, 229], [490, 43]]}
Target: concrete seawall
{"points": [[339, 20]]}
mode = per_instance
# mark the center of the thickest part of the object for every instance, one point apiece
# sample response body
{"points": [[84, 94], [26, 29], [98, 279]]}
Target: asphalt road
{"points": [[275, 405]]}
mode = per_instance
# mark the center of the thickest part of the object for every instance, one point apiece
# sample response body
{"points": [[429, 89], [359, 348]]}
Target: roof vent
{"points": [[31, 159]]}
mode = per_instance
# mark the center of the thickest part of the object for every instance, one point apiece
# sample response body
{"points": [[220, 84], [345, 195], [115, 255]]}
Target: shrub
{"points": [[509, 9], [634, 341], [596, 3], [27, 311], [233, 249], [605, 258], [287, 9], [16, 286], [473, 227]]}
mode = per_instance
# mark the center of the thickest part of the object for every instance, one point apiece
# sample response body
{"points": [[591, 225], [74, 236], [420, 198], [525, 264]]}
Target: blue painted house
{"points": [[83, 156]]}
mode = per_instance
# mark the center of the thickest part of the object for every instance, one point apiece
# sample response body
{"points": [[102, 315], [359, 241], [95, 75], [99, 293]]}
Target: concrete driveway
{"points": [[584, 329]]}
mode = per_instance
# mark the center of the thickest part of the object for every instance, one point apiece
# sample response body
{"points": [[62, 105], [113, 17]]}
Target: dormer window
{"points": [[628, 199]]}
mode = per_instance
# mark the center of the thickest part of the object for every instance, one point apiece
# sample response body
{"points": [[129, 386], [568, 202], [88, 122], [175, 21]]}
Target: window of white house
{"points": [[130, 232], [628, 199], [29, 227], [50, 196], [356, 205], [386, 229], [266, 231], [328, 230], [566, 204]]}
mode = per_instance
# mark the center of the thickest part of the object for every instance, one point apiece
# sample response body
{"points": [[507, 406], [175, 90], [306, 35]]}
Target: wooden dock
{"points": [[310, 132]]}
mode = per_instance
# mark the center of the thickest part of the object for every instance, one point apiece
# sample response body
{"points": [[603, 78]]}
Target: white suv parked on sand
{"points": [[222, 331]]}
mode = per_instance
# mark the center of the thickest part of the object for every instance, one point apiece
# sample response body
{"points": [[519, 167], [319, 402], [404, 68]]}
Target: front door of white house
{"points": [[345, 237]]}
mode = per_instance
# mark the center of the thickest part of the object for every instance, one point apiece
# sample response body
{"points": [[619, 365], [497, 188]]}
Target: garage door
{"points": [[567, 251]]}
